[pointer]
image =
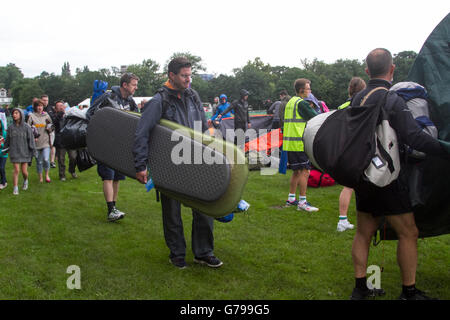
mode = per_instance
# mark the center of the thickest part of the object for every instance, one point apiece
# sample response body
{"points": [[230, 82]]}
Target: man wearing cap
{"points": [[296, 113], [241, 116]]}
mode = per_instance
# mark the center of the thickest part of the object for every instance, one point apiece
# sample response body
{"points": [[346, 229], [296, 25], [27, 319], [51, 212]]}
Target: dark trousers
{"points": [[202, 230], [2, 170], [239, 135], [61, 155]]}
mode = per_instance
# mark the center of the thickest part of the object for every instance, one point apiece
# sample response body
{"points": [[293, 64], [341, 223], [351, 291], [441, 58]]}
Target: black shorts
{"points": [[298, 160], [390, 200], [106, 173]]}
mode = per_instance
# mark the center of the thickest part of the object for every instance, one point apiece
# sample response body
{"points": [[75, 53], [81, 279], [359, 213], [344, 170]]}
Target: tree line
{"points": [[328, 80]]}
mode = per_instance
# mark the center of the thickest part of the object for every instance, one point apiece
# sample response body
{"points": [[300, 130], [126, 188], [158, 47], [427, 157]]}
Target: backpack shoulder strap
{"points": [[197, 98], [370, 93], [164, 99]]}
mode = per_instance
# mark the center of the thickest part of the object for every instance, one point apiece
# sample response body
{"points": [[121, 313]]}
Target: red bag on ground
{"points": [[318, 179]]}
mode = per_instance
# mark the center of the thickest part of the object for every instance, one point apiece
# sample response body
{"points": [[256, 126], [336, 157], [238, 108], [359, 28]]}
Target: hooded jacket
{"points": [[20, 140], [241, 114], [184, 108], [222, 107]]}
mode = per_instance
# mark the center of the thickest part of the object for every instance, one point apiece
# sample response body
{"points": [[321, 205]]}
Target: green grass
{"points": [[269, 253]]}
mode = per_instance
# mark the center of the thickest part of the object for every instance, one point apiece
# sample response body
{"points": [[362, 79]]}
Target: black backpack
{"points": [[355, 144]]}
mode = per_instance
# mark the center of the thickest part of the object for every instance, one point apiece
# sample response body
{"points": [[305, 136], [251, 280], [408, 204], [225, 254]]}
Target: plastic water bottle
{"points": [[241, 207]]}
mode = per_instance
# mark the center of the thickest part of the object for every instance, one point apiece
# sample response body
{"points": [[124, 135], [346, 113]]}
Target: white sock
{"points": [[301, 200], [291, 197]]}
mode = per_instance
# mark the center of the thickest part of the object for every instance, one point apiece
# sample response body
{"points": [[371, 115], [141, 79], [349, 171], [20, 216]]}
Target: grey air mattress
{"points": [[202, 172]]}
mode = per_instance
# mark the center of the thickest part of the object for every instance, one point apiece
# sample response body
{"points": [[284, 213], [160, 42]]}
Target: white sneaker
{"points": [[3, 186], [25, 185], [344, 225], [16, 190], [306, 206], [115, 215]]}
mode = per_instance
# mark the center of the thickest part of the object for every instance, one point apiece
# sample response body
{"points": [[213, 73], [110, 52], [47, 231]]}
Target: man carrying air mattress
{"points": [[186, 109]]}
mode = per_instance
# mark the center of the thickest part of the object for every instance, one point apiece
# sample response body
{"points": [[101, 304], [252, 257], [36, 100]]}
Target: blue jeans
{"points": [[43, 160], [2, 170]]}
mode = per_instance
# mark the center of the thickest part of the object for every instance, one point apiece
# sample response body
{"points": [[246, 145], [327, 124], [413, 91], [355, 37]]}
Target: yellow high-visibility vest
{"points": [[294, 126], [344, 105]]}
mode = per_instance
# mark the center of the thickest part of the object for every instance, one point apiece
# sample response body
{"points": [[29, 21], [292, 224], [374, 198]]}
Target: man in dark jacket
{"points": [[392, 201], [120, 98], [58, 121], [177, 102], [241, 116]]}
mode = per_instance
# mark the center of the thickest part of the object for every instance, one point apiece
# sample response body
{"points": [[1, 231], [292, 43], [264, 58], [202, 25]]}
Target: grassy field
{"points": [[268, 253]]}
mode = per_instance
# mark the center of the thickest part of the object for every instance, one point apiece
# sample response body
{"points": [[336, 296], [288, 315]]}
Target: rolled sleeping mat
{"points": [[200, 171], [312, 126]]}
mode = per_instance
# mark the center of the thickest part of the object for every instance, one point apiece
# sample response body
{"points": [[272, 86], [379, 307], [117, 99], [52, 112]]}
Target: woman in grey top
{"points": [[21, 147], [43, 123]]}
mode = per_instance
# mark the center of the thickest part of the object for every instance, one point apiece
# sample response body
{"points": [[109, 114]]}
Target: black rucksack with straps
{"points": [[355, 144]]}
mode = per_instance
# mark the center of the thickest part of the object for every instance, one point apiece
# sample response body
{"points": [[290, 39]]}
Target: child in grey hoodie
{"points": [[20, 141]]}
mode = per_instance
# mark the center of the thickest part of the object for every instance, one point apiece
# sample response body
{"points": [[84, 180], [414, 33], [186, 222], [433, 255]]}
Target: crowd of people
{"points": [[31, 136], [34, 133]]}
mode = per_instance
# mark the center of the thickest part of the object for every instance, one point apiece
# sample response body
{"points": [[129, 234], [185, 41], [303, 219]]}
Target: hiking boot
{"points": [[306, 206], [25, 185], [178, 262], [210, 261], [115, 215], [359, 294], [344, 225], [291, 203], [418, 295], [16, 190]]}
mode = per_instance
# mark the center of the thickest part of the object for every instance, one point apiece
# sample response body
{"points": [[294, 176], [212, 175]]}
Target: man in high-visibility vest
{"points": [[296, 113]]}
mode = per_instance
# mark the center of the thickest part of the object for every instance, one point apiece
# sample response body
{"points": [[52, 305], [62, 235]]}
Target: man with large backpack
{"points": [[391, 201], [176, 102], [120, 97]]}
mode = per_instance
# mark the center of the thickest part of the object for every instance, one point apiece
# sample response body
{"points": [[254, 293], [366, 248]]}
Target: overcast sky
{"points": [[40, 35]]}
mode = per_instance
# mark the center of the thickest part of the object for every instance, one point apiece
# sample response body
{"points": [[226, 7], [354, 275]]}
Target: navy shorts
{"points": [[106, 173], [298, 160], [390, 200]]}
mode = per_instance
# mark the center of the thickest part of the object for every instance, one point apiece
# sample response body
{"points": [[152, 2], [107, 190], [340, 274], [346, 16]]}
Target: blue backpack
{"points": [[100, 87]]}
